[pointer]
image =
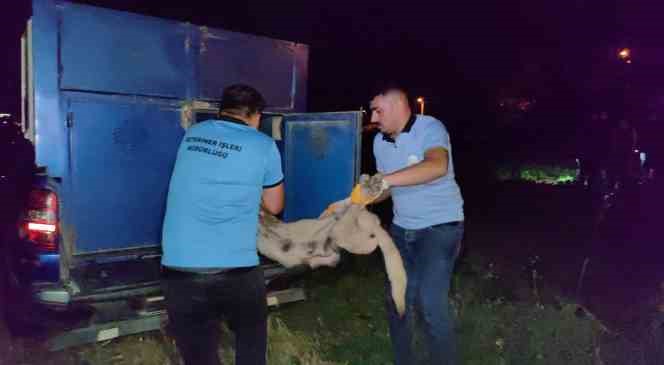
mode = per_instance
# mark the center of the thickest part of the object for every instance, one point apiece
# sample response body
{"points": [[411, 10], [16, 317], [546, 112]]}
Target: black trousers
{"points": [[196, 303]]}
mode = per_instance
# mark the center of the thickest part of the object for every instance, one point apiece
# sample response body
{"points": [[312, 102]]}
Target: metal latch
{"points": [[69, 122]]}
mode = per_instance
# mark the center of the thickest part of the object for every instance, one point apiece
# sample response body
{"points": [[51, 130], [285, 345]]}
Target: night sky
{"points": [[458, 54]]}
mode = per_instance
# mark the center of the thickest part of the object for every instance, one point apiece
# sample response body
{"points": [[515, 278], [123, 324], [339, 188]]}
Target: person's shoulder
{"points": [[261, 141], [378, 139], [200, 126], [427, 123], [260, 137]]}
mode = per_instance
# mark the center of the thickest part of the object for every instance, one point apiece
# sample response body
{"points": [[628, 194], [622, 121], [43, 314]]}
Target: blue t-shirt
{"points": [[424, 205], [214, 195]]}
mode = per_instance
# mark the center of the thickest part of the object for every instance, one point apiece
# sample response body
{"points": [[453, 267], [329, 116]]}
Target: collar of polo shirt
{"points": [[228, 118], [405, 129]]}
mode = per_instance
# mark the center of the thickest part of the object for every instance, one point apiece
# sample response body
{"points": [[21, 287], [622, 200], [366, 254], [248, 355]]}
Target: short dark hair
{"points": [[385, 87], [241, 99]]}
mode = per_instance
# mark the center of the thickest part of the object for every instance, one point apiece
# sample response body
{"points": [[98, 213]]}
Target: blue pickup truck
{"points": [[107, 96]]}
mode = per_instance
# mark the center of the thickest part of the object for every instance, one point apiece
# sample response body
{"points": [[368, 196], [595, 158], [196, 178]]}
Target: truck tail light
{"points": [[39, 221]]}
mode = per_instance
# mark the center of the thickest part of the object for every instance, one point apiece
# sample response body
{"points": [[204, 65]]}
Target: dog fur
{"points": [[317, 242]]}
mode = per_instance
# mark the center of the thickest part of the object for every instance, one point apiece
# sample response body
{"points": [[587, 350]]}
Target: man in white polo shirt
{"points": [[414, 154]]}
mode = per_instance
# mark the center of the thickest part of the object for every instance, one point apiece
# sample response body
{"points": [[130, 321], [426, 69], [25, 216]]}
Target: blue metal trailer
{"points": [[107, 96]]}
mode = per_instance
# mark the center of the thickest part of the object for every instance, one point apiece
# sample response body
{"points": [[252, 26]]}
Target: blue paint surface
{"points": [[122, 157], [108, 93], [321, 161], [115, 52]]}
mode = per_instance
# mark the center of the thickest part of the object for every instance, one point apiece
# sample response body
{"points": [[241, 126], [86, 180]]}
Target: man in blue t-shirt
{"points": [[414, 155], [225, 171]]}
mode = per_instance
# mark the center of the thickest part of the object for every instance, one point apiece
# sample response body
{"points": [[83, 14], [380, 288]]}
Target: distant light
{"points": [[624, 53], [628, 61], [420, 100], [5, 115]]}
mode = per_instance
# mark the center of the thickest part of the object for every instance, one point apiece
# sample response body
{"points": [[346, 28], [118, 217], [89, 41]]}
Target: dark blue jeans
{"points": [[196, 303], [428, 255]]}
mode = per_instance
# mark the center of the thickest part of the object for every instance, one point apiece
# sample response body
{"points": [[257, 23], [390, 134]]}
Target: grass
{"points": [[347, 313], [343, 321], [538, 173], [492, 326], [539, 328], [285, 348]]}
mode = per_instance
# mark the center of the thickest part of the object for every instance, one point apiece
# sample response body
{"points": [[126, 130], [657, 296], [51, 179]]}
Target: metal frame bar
{"points": [[30, 91], [24, 82], [150, 321]]}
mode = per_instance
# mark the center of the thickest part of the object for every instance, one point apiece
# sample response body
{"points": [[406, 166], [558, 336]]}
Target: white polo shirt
{"points": [[424, 205]]}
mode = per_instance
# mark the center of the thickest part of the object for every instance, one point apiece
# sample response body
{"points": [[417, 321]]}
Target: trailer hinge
{"points": [[70, 120]]}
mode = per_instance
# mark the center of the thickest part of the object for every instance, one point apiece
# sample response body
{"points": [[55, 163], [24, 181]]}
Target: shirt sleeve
{"points": [[435, 135], [379, 163], [273, 172]]}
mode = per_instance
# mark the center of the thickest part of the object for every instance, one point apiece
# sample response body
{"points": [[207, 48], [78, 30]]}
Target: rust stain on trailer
{"points": [[319, 140], [66, 249], [189, 108], [186, 115], [207, 34]]}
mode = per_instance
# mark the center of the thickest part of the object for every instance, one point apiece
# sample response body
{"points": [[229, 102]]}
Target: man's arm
{"points": [[273, 199], [433, 166], [383, 197]]}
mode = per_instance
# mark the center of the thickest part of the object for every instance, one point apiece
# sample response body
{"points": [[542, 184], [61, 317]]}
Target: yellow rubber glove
{"points": [[365, 192], [369, 189], [361, 196]]}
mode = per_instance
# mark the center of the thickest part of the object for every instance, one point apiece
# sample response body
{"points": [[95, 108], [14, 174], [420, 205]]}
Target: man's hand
{"points": [[365, 192], [369, 189]]}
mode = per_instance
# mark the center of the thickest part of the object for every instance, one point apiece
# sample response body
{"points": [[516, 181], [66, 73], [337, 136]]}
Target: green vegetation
{"points": [[538, 173]]}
